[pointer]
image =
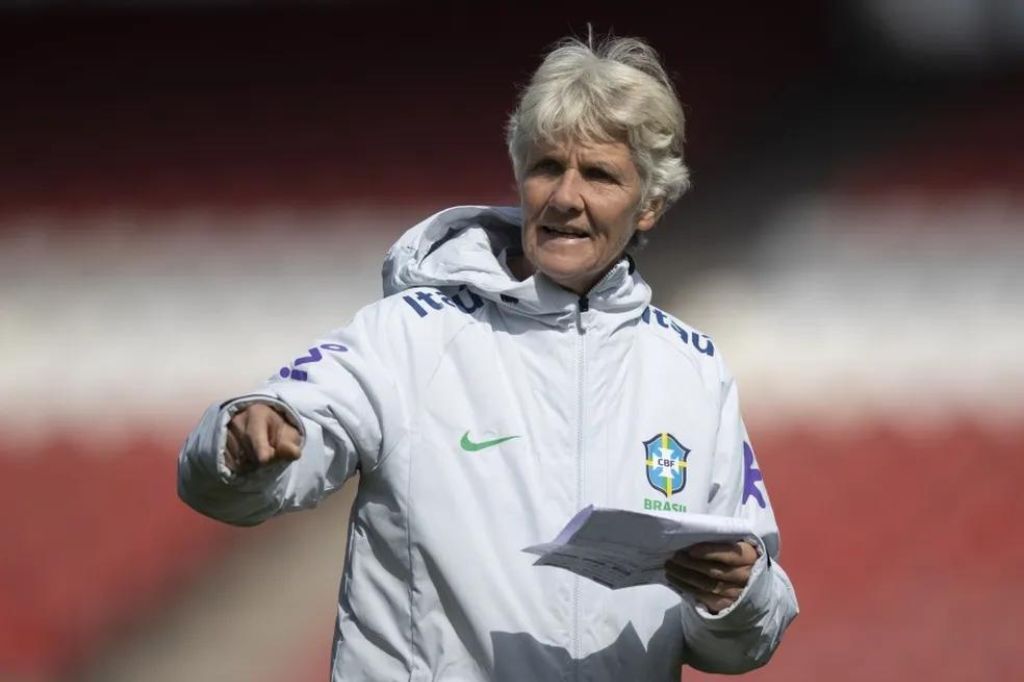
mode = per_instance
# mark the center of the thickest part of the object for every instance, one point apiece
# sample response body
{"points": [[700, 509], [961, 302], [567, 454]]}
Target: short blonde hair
{"points": [[617, 90]]}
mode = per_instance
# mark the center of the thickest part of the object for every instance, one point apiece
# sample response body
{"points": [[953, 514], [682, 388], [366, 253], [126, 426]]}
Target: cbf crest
{"points": [[666, 463]]}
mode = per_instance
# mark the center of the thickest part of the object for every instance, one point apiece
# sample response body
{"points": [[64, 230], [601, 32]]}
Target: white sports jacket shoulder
{"points": [[482, 413]]}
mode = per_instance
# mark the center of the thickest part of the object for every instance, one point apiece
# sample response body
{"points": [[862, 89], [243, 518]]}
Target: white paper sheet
{"points": [[619, 548]]}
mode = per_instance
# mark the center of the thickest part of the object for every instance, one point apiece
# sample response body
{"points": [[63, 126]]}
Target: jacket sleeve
{"points": [[745, 635], [344, 401]]}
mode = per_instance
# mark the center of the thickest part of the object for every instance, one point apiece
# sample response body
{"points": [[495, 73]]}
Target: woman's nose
{"points": [[567, 194]]}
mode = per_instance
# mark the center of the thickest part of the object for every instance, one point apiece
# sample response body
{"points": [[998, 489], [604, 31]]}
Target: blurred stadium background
{"points": [[189, 191]]}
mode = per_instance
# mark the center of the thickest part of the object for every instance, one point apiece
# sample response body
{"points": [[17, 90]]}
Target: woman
{"points": [[513, 374]]}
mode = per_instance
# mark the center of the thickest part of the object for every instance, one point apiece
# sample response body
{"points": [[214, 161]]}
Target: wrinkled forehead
{"points": [[580, 133], [609, 148]]}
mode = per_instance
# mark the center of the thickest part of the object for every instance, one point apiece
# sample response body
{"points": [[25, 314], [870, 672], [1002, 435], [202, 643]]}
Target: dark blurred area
{"points": [[264, 102], [173, 172]]}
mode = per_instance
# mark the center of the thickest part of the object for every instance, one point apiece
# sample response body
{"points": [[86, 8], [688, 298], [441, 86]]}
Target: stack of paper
{"points": [[618, 548]]}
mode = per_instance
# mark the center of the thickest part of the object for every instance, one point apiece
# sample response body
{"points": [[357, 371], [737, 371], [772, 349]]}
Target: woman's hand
{"points": [[714, 573], [258, 436]]}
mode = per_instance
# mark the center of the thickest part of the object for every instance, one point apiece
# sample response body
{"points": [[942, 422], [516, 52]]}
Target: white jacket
{"points": [[482, 413]]}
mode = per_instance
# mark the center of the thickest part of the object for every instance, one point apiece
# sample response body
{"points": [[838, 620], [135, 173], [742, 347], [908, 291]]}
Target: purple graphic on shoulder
{"points": [[427, 301], [314, 355], [751, 475], [663, 320]]}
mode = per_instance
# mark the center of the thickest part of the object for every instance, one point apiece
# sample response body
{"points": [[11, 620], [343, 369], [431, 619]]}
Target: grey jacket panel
{"points": [[483, 412]]}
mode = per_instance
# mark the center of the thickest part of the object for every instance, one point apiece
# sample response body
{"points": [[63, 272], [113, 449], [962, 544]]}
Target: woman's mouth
{"points": [[564, 231]]}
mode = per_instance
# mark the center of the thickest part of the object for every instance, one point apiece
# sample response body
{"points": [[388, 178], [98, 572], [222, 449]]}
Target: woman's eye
{"points": [[547, 167], [599, 174]]}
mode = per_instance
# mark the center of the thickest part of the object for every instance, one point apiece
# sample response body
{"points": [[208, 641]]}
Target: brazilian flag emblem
{"points": [[666, 463]]}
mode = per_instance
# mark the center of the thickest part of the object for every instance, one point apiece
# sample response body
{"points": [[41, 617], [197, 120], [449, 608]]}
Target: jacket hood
{"points": [[467, 246]]}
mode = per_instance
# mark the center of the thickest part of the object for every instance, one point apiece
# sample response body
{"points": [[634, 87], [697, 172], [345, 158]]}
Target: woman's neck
{"points": [[520, 267]]}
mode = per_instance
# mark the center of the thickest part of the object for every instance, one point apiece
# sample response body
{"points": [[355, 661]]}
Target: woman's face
{"points": [[580, 207]]}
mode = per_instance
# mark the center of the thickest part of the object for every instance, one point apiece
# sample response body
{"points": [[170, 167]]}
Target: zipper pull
{"points": [[584, 304]]}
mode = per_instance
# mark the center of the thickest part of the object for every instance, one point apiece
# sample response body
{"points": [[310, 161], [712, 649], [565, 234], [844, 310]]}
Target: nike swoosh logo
{"points": [[470, 446]]}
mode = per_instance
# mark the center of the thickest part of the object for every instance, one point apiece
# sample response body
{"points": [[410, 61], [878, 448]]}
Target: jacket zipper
{"points": [[583, 305]]}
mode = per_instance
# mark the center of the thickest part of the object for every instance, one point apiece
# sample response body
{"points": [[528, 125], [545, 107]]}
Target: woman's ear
{"points": [[649, 215]]}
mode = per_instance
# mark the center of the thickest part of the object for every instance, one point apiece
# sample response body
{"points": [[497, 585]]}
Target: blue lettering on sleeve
{"points": [[660, 316], [709, 347], [682, 332], [475, 302], [425, 302], [751, 476], [313, 355], [415, 306], [428, 299], [702, 343]]}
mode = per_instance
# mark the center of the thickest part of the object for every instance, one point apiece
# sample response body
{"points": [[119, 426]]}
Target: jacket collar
{"points": [[462, 247]]}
